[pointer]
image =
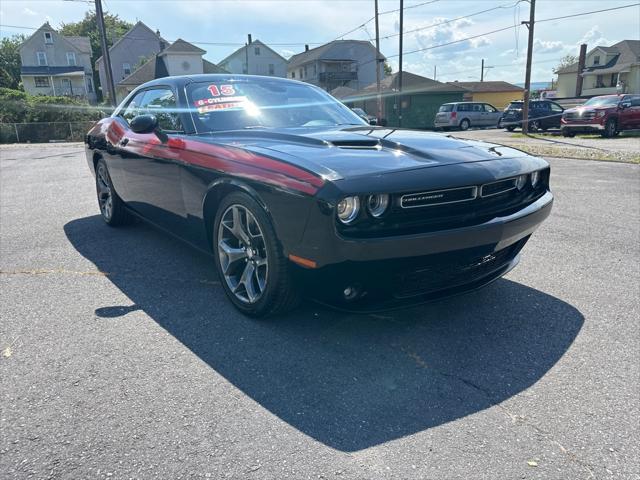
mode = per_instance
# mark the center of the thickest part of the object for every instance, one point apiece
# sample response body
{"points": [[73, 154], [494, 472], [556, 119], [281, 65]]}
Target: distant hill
{"points": [[536, 85]]}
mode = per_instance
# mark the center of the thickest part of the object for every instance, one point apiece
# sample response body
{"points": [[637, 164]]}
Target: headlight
{"points": [[521, 181], [535, 178], [377, 204], [348, 209]]}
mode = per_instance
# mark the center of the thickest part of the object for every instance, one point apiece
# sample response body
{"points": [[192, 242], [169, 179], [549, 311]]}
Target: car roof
{"points": [[182, 80]]}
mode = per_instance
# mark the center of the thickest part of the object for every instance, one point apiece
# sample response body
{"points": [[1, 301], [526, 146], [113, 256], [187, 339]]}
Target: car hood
{"points": [[351, 152]]}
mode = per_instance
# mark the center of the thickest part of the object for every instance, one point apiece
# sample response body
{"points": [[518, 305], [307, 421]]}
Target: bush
{"points": [[19, 107]]}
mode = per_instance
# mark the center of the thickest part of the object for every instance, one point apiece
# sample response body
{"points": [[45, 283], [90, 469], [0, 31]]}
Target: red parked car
{"points": [[607, 114]]}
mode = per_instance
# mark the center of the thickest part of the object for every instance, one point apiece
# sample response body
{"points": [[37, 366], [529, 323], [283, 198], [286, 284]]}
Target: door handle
{"points": [[124, 142]]}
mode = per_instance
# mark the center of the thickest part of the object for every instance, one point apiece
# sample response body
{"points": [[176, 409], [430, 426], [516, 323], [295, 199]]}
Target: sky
{"points": [[221, 26]]}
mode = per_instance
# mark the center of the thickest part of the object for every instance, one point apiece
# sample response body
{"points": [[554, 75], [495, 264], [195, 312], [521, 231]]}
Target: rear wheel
{"points": [[465, 124], [610, 128], [534, 126], [511, 128], [112, 208], [252, 268]]}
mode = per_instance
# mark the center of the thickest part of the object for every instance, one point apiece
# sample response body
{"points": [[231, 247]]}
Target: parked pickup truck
{"points": [[607, 114]]}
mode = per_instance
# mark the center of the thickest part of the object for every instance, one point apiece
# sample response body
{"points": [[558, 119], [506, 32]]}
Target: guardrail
{"points": [[44, 132]]}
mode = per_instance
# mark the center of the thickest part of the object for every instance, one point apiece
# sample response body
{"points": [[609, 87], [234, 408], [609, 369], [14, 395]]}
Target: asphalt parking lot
{"points": [[121, 358]]}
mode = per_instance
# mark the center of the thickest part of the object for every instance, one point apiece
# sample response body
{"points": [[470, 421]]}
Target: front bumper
{"points": [[393, 271], [582, 127]]}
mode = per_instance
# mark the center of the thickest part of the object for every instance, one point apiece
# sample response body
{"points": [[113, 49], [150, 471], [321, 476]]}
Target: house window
{"points": [[256, 50], [599, 81], [126, 68], [42, 59], [48, 38], [42, 82], [71, 59], [614, 80], [293, 74], [596, 60], [305, 71], [244, 68], [300, 73], [89, 85], [272, 69], [315, 69]]}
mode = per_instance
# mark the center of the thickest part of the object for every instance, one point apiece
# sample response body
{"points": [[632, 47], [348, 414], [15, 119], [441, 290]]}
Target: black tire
{"points": [[465, 124], [568, 133], [610, 128], [511, 128], [112, 208], [534, 126], [278, 294]]}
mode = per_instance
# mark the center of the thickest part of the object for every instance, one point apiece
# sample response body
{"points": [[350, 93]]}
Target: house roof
{"points": [[182, 46], [411, 83], [322, 52], [80, 44], [342, 92], [209, 67], [253, 43], [488, 86], [126, 36], [150, 70], [628, 53]]}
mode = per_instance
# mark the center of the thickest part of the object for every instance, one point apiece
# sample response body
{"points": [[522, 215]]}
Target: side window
{"points": [[463, 107], [161, 102], [477, 107], [133, 108], [635, 101], [489, 108], [555, 107]]}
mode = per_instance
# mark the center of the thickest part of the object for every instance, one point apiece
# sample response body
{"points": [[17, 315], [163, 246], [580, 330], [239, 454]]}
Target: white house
{"points": [[53, 64], [261, 59]]}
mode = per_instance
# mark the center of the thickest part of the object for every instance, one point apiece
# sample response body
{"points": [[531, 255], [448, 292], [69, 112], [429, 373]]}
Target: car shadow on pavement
{"points": [[348, 381]]}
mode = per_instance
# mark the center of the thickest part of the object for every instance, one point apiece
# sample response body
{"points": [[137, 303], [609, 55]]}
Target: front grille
{"points": [[455, 268], [580, 115], [496, 188], [433, 213], [438, 197]]}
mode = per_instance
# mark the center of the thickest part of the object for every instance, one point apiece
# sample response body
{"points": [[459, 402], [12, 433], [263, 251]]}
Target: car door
{"points": [[629, 117], [555, 114], [477, 115], [492, 115], [152, 168]]}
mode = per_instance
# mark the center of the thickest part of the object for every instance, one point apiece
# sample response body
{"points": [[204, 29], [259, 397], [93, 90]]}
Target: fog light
{"points": [[521, 181], [535, 178], [348, 209], [350, 293]]}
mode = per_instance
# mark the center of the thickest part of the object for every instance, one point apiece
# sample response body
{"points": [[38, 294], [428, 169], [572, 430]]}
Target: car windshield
{"points": [[602, 102], [359, 111], [258, 103], [446, 108]]}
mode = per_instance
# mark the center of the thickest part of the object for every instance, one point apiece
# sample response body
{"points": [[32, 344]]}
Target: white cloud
{"points": [[594, 37], [548, 46], [287, 53], [28, 11]]}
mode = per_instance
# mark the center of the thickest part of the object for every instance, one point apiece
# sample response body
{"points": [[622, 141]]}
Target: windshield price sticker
{"points": [[220, 106]]}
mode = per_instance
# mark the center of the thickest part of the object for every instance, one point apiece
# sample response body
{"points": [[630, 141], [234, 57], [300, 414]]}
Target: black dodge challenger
{"points": [[294, 194]]}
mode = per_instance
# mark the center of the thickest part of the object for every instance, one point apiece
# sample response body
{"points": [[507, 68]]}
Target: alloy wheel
{"points": [[243, 254], [105, 198]]}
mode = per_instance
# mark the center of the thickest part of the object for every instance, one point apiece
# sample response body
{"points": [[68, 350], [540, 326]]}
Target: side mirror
{"points": [[624, 105], [148, 124], [144, 123]]}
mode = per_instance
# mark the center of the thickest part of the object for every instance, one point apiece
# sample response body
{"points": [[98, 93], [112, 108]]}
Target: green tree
{"points": [[88, 27], [387, 69], [566, 61], [10, 61]]}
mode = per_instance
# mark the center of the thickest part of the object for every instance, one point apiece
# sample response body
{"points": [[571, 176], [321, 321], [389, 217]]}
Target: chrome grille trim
{"points": [[508, 189], [473, 191]]}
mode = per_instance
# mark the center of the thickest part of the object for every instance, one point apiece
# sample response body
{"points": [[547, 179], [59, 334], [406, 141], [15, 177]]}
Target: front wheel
{"points": [[465, 124], [610, 128], [511, 128], [534, 126], [568, 133], [253, 271]]}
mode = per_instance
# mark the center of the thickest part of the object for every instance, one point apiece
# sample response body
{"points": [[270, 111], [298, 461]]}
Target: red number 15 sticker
{"points": [[225, 90]]}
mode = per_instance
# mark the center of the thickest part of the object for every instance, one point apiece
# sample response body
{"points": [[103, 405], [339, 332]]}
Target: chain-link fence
{"points": [[44, 132]]}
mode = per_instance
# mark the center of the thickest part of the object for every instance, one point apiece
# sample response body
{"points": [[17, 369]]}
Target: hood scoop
{"points": [[358, 144]]}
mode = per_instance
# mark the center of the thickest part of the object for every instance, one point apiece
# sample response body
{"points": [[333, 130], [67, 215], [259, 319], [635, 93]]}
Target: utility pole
{"points": [[399, 96], [527, 75], [482, 71], [106, 58], [378, 95], [246, 52]]}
